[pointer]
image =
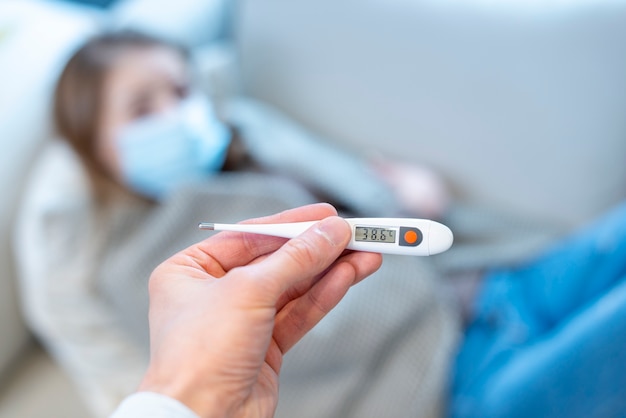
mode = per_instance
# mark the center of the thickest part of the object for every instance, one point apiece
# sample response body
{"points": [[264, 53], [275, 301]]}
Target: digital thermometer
{"points": [[405, 236]]}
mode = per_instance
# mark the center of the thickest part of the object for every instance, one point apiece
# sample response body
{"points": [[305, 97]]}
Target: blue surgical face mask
{"points": [[162, 152]]}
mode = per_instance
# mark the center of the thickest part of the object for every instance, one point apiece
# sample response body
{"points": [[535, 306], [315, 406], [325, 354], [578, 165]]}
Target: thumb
{"points": [[305, 256]]}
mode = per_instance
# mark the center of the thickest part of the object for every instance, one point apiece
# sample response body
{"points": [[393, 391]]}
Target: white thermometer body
{"points": [[404, 236]]}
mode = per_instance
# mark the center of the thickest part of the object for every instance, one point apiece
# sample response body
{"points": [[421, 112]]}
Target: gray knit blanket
{"points": [[383, 352]]}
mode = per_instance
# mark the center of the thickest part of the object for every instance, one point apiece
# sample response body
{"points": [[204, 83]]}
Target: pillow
{"points": [[32, 60], [191, 22]]}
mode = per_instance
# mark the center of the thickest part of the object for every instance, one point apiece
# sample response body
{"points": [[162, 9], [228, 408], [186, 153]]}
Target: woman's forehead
{"points": [[141, 69]]}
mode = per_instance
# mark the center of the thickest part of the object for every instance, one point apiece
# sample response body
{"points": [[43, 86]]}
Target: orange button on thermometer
{"points": [[410, 237], [404, 236]]}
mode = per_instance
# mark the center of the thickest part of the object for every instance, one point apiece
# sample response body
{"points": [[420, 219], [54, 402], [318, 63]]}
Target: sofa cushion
{"points": [[520, 104]]}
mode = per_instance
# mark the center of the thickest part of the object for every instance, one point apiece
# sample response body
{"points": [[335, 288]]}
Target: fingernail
{"points": [[332, 230]]}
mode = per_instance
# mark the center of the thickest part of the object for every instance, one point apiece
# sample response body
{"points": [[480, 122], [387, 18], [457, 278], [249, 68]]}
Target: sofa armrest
{"points": [[36, 40]]}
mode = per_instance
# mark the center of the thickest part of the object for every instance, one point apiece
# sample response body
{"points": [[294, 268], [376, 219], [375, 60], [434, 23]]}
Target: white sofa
{"points": [[35, 39], [519, 104]]}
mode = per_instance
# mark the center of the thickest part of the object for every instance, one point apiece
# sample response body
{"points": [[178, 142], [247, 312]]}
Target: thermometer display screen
{"points": [[374, 234]]}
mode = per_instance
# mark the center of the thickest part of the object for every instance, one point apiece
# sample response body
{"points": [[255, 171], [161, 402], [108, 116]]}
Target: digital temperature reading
{"points": [[374, 234]]}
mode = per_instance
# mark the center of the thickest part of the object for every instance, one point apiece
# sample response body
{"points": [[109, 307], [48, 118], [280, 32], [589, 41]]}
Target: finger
{"points": [[364, 264], [300, 315], [226, 250], [303, 257]]}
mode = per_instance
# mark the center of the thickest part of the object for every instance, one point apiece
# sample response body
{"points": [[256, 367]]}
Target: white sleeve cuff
{"points": [[154, 405]]}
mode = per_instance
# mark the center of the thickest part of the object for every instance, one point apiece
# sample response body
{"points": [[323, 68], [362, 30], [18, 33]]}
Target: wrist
{"points": [[198, 397], [150, 404]]}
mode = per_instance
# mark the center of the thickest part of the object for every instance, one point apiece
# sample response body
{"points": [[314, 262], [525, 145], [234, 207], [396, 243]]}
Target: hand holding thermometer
{"points": [[404, 236]]}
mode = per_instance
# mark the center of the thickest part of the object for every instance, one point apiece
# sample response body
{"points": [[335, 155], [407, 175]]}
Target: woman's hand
{"points": [[419, 190]]}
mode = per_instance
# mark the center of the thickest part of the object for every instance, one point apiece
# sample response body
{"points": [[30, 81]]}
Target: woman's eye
{"points": [[141, 112], [141, 108], [181, 91]]}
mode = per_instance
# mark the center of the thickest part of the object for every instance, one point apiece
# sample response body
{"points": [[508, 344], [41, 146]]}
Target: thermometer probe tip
{"points": [[206, 225]]}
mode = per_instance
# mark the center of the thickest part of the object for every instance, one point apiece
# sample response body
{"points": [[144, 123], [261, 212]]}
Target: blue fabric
{"points": [[549, 338], [97, 3]]}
